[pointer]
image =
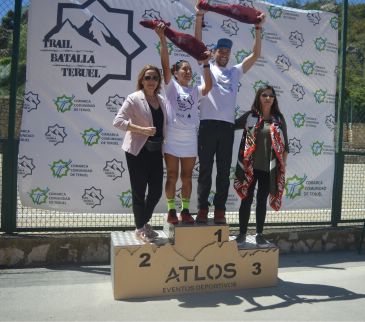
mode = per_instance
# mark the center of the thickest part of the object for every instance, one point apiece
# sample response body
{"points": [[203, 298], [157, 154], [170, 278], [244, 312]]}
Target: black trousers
{"points": [[263, 190], [215, 139], [145, 171]]}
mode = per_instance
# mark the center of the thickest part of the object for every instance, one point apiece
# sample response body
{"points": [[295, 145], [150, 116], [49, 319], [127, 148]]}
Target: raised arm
{"points": [[199, 16], [165, 61], [256, 50], [208, 82]]}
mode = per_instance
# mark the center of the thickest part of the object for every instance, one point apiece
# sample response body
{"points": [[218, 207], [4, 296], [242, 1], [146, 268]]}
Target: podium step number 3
{"points": [[189, 259]]}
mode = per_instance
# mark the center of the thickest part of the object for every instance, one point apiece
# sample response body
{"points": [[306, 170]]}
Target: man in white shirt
{"points": [[217, 114]]}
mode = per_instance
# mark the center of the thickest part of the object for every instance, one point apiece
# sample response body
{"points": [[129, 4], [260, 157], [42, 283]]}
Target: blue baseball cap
{"points": [[224, 43]]}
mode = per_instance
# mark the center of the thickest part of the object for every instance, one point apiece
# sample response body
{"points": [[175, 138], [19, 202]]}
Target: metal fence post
{"points": [[339, 155], [10, 154]]}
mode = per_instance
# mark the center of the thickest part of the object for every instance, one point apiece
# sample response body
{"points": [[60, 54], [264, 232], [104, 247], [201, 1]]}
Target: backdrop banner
{"points": [[83, 61]]}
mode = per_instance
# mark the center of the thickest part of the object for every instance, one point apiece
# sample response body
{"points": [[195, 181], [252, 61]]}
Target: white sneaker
{"points": [[142, 235], [149, 231]]}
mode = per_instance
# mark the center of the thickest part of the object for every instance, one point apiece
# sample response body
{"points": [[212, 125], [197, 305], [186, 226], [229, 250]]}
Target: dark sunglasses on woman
{"points": [[264, 95], [148, 78]]}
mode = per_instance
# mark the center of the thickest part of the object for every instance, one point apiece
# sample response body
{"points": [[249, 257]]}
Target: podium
{"points": [[189, 259]]}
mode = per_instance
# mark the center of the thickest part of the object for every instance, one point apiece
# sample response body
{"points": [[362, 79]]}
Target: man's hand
{"points": [[262, 17]]}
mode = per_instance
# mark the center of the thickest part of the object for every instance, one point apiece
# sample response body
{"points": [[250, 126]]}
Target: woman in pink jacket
{"points": [[143, 117]]}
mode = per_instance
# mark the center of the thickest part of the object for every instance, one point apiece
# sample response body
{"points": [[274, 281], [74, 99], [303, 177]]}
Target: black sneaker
{"points": [[241, 238], [260, 240]]}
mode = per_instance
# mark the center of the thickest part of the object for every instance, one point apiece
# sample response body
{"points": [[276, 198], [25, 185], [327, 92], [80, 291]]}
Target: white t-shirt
{"points": [[182, 105], [220, 103]]}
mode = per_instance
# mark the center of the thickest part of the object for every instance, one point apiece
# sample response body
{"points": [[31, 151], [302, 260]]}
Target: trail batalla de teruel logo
{"points": [[83, 45]]}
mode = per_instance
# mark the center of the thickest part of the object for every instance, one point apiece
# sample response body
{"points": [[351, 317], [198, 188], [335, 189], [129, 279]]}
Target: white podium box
{"points": [[189, 259]]}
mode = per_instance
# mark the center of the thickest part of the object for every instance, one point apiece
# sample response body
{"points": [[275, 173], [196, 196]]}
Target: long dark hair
{"points": [[256, 106], [141, 75]]}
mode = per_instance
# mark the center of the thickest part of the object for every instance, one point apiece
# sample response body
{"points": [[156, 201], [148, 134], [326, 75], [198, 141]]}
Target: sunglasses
{"points": [[154, 78], [264, 95]]}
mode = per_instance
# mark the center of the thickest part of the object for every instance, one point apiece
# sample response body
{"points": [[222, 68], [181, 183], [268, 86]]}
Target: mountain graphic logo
{"points": [[25, 166], [230, 27], [31, 101], [56, 134], [97, 32], [92, 197]]}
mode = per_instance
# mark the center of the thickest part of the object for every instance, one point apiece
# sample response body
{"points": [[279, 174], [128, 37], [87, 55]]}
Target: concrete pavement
{"points": [[311, 287]]}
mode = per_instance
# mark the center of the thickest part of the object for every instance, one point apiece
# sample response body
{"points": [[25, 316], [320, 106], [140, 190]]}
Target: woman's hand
{"points": [[262, 17], [206, 61], [199, 12], [148, 131], [160, 29]]}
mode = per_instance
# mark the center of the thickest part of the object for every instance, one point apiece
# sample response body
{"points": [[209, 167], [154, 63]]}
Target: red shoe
{"points": [[219, 216], [186, 218], [202, 217], [171, 217]]}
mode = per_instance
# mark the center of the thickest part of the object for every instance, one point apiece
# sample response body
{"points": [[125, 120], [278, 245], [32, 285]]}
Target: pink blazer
{"points": [[135, 110]]}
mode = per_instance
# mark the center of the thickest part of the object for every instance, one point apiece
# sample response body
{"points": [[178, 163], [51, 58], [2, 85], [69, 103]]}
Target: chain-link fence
{"points": [[352, 184]]}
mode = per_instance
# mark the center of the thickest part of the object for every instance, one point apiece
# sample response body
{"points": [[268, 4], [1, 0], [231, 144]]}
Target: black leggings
{"points": [[145, 169], [263, 189]]}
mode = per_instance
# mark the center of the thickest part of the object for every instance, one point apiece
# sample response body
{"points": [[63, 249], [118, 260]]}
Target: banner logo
{"points": [[317, 148], [60, 168], [170, 47], [92, 197], [114, 169], [55, 134], [298, 119], [230, 27], [275, 12], [114, 103], [39, 196], [294, 186], [87, 62], [258, 84], [282, 63], [152, 14], [296, 39], [294, 146], [334, 23], [247, 3], [320, 95], [64, 103], [307, 67], [126, 199], [297, 92], [25, 166], [314, 18], [320, 43], [31, 101], [91, 136], [184, 22], [241, 55], [330, 122]]}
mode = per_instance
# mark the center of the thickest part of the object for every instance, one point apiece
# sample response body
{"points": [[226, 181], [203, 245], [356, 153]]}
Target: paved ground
{"points": [[314, 287]]}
